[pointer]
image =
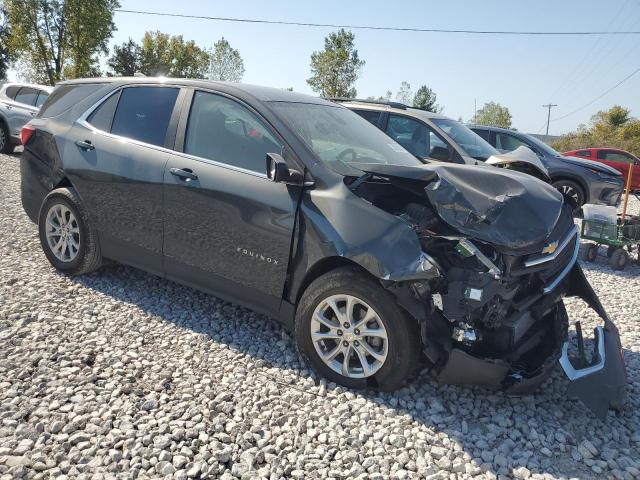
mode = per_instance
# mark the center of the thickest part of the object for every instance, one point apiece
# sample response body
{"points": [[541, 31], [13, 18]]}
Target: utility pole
{"points": [[549, 107]]}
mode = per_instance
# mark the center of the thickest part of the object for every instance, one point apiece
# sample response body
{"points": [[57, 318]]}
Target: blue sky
{"points": [[521, 73]]}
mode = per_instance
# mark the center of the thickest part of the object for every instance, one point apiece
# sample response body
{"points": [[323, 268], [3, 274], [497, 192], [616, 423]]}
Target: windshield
{"points": [[543, 146], [340, 137], [472, 144]]}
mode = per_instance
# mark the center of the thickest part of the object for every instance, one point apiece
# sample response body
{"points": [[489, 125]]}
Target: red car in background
{"points": [[618, 159]]}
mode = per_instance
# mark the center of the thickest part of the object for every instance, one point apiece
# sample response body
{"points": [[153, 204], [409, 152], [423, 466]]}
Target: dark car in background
{"points": [[615, 158], [582, 181], [19, 103], [298, 208]]}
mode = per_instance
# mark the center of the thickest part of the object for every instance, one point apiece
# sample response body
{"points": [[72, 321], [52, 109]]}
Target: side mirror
{"points": [[440, 153], [279, 172]]}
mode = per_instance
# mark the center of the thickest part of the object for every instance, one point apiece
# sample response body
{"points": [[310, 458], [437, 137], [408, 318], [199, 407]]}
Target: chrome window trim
{"points": [[554, 255], [566, 269], [83, 122]]}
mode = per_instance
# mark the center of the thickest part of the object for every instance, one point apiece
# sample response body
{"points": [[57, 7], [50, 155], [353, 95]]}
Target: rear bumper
{"points": [[33, 185]]}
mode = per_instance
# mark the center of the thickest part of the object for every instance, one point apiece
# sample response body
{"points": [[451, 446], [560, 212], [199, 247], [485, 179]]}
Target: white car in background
{"points": [[19, 102]]}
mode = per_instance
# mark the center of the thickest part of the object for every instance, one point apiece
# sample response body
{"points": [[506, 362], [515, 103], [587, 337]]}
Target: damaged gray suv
{"points": [[298, 208]]}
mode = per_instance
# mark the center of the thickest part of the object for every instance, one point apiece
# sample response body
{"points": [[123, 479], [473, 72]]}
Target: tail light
{"points": [[26, 133]]}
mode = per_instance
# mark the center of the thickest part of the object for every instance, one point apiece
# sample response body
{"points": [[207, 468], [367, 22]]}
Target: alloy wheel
{"points": [[349, 336], [570, 192], [62, 233]]}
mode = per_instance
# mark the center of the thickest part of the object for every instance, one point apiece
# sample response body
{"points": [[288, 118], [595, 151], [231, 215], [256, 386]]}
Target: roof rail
{"points": [[374, 102]]}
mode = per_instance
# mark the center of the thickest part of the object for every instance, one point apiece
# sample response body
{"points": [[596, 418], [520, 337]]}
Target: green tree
{"points": [[164, 54], [614, 128], [6, 56], [425, 99], [60, 38], [405, 94], [493, 114], [335, 69], [225, 63], [126, 59], [382, 98]]}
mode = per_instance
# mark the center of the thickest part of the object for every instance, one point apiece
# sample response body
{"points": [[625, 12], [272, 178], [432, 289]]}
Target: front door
{"points": [[116, 158], [228, 228], [621, 162]]}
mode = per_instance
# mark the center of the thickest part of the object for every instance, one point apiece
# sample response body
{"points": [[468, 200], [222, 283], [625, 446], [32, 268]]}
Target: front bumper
{"points": [[605, 192], [599, 383]]}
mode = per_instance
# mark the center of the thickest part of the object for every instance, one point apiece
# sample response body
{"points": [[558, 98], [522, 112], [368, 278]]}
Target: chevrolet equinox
{"points": [[298, 208]]}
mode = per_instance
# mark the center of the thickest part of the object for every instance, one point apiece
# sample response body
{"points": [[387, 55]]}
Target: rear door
{"points": [[22, 109], [115, 157], [228, 228]]}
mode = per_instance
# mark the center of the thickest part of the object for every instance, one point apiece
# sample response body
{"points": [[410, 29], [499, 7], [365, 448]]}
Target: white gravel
{"points": [[123, 374]]}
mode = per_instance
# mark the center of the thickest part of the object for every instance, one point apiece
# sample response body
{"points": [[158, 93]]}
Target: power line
{"points": [[599, 97], [372, 27]]}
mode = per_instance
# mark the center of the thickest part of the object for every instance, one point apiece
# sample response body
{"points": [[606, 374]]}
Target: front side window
{"points": [[614, 156], [27, 95], [341, 138], [583, 153], [416, 137], [225, 131], [472, 144], [143, 113], [508, 142], [42, 96]]}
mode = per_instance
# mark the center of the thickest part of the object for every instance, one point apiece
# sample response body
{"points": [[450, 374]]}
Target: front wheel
{"points": [[353, 332], [68, 240], [572, 192]]}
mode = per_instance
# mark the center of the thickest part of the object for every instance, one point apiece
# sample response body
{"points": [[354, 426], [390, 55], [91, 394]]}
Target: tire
{"points": [[402, 343], [619, 259], [573, 192], [589, 252], [610, 250], [5, 139], [64, 203]]}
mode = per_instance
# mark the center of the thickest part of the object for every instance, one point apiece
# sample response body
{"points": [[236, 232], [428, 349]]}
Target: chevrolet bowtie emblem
{"points": [[549, 248]]}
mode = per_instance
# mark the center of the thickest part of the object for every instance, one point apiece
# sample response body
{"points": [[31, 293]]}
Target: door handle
{"points": [[33, 114], [9, 107], [184, 173], [85, 145]]}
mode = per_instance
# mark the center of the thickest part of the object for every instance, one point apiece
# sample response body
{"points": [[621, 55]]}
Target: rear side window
{"points": [[370, 115], [102, 116], [223, 130], [508, 142], [11, 91], [143, 113], [66, 96], [27, 95]]}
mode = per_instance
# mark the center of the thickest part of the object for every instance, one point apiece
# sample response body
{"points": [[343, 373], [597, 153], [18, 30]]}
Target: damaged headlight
{"points": [[466, 248], [429, 265]]}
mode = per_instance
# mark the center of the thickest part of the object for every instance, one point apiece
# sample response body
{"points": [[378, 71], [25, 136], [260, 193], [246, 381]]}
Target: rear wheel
{"points": [[5, 139], [353, 332], [572, 192], [66, 235], [619, 259]]}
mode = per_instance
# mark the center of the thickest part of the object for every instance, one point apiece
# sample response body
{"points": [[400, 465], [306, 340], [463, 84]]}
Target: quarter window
{"points": [[143, 113], [102, 116], [222, 130], [11, 91], [583, 153], [416, 137], [484, 134]]}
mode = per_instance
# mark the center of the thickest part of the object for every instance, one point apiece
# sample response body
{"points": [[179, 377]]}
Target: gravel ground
{"points": [[124, 374]]}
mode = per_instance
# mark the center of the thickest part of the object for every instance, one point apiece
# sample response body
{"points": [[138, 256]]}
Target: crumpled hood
{"points": [[601, 167], [502, 207]]}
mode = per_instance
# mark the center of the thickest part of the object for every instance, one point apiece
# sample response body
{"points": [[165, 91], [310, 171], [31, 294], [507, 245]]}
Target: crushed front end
{"points": [[498, 259]]}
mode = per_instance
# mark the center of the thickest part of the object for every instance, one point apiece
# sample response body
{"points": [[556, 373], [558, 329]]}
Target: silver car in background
{"points": [[19, 102]]}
